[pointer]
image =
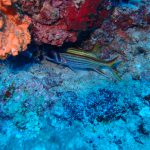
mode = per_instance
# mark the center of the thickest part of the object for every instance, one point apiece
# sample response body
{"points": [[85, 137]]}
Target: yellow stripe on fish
{"points": [[86, 56], [92, 54], [85, 60], [82, 53]]}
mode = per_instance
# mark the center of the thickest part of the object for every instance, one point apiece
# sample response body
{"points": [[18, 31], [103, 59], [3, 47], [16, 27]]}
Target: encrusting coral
{"points": [[14, 35], [55, 22], [52, 22], [58, 21]]}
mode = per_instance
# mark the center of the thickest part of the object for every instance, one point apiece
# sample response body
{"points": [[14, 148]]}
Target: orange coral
{"points": [[14, 35]]}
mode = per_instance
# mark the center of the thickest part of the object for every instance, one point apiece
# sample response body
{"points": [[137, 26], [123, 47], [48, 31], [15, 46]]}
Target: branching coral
{"points": [[14, 35]]}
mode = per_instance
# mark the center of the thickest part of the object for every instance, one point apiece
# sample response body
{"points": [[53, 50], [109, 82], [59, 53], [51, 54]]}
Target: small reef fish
{"points": [[77, 59]]}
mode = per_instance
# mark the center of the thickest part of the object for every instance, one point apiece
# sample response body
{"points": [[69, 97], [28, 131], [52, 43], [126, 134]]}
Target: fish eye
{"points": [[54, 55], [51, 54]]}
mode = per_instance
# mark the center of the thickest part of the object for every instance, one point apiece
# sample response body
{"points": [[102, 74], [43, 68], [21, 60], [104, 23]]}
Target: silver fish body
{"points": [[80, 62], [83, 60]]}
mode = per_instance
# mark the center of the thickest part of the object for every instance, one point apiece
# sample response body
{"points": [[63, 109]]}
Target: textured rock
{"points": [[59, 21], [14, 35]]}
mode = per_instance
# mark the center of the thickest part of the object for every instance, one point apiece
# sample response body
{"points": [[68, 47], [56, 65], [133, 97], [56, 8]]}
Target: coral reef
{"points": [[47, 106], [14, 35], [122, 19], [58, 21]]}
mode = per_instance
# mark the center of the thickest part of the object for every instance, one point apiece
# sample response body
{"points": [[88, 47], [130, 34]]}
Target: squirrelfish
{"points": [[77, 59]]}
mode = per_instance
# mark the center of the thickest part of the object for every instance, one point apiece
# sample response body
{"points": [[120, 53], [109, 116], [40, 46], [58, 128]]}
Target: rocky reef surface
{"points": [[45, 106]]}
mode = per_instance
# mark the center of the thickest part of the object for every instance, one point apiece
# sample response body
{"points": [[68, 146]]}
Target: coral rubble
{"points": [[14, 35]]}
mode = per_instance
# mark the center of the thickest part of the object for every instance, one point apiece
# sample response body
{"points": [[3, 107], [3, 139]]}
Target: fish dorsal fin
{"points": [[96, 48], [81, 53]]}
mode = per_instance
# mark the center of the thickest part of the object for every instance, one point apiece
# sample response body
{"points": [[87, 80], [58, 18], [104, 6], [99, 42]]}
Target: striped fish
{"points": [[74, 58]]}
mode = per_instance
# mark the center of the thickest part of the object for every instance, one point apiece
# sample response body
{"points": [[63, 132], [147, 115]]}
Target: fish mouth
{"points": [[52, 56], [55, 56]]}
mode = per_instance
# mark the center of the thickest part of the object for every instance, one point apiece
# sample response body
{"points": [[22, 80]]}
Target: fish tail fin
{"points": [[115, 73], [112, 64]]}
